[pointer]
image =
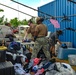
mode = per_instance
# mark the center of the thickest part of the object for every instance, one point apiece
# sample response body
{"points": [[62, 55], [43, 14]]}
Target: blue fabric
{"points": [[34, 69], [47, 65], [63, 45], [14, 45]]}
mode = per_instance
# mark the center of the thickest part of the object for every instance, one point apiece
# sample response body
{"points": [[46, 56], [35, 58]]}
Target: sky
{"points": [[10, 14]]}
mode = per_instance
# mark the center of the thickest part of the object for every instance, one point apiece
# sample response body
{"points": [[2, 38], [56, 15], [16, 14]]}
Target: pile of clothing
{"points": [[37, 66], [17, 53], [24, 65]]}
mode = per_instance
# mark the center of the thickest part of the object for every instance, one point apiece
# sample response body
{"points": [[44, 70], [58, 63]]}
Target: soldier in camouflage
{"points": [[40, 39]]}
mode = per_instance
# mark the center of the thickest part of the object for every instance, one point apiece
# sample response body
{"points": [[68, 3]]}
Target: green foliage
{"points": [[1, 10], [5, 21], [2, 20], [24, 22], [14, 22]]}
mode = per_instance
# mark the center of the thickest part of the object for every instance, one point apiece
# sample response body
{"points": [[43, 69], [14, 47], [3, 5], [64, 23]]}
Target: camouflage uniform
{"points": [[41, 41]]}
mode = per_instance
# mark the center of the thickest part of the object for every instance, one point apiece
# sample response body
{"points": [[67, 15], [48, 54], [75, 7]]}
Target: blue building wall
{"points": [[57, 8]]}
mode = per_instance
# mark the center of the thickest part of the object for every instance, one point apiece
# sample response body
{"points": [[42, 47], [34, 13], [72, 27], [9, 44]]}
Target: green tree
{"points": [[24, 22], [1, 10], [2, 20], [15, 22], [5, 21]]}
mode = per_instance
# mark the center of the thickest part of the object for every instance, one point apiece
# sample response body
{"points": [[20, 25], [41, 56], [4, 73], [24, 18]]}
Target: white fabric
{"points": [[14, 56], [63, 70], [48, 35], [57, 47], [19, 69]]}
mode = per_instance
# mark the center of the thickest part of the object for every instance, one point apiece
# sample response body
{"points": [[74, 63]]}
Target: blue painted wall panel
{"points": [[57, 8], [49, 9]]}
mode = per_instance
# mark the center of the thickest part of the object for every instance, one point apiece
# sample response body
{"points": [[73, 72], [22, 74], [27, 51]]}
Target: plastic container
{"points": [[72, 59], [69, 44], [3, 53], [3, 48], [64, 52], [7, 68]]}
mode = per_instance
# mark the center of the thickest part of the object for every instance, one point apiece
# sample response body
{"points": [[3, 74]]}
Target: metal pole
{"points": [[18, 9]]}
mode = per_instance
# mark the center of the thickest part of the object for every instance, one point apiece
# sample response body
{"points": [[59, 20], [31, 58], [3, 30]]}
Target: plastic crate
{"points": [[64, 52], [1, 69], [7, 68]]}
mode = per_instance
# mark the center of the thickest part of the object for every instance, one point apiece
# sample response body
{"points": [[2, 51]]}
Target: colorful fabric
{"points": [[55, 23], [36, 61], [14, 45], [40, 71]]}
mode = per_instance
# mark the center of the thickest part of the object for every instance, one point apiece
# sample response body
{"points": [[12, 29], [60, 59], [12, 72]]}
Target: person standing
{"points": [[54, 39], [40, 39], [31, 30]]}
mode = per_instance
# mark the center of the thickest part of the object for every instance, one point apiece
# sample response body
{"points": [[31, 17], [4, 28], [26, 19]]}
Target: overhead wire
{"points": [[31, 8], [35, 10], [17, 10], [43, 12]]}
